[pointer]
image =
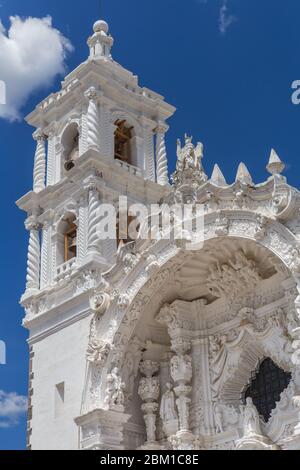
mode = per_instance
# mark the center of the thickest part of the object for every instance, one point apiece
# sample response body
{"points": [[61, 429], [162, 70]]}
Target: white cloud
{"points": [[12, 407], [32, 54], [225, 19]]}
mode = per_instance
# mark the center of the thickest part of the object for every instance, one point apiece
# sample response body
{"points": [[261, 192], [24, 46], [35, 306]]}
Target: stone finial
{"points": [[243, 174], [217, 177], [275, 165], [100, 43]]}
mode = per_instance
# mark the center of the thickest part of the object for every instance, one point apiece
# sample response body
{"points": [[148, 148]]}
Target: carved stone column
{"points": [[181, 372], [148, 137], [161, 156], [93, 217], [39, 172], [82, 226], [46, 255], [149, 393], [34, 255], [93, 121]]}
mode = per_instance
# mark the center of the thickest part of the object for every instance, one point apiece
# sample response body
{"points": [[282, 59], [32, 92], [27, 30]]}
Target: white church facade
{"points": [[146, 344]]}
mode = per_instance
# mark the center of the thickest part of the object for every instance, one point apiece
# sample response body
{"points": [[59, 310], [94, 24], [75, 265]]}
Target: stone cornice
{"points": [[86, 164], [56, 327], [94, 73]]}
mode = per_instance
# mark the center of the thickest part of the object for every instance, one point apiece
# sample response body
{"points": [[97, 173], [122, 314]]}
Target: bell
{"points": [[69, 165], [73, 246]]}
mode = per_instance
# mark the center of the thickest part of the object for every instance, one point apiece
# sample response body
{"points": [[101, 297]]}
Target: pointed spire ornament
{"points": [[275, 165], [243, 174], [217, 177]]}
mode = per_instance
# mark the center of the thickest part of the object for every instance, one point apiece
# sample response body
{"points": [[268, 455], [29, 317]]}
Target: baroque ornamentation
{"points": [[93, 137], [149, 392], [232, 279], [100, 302], [222, 226], [98, 351], [168, 412], [189, 170], [39, 173], [115, 390], [181, 331], [261, 229], [161, 157], [34, 254]]}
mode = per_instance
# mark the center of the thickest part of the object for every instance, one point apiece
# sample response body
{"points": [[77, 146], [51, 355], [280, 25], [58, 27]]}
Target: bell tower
{"points": [[99, 137]]}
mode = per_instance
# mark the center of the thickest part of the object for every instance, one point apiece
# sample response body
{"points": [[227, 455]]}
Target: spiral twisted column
{"points": [[39, 172], [93, 121], [34, 256], [161, 156], [94, 219]]}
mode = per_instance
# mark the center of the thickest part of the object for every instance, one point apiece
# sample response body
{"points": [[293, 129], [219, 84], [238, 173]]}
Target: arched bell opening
{"points": [[66, 239], [70, 144], [124, 142]]}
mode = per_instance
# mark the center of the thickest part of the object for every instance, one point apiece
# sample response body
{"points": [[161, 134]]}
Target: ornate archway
{"points": [[145, 278], [172, 326]]}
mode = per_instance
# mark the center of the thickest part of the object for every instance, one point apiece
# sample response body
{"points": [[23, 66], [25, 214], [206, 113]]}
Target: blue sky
{"points": [[227, 66]]}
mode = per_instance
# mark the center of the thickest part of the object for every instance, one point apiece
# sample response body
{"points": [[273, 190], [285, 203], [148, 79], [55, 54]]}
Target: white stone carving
{"points": [[234, 278], [250, 417], [149, 393], [100, 302], [222, 226], [92, 119], [296, 403], [39, 173], [219, 419], [261, 229], [97, 351], [93, 241], [181, 368], [115, 389], [33, 259], [221, 310], [161, 156], [168, 412], [189, 169]]}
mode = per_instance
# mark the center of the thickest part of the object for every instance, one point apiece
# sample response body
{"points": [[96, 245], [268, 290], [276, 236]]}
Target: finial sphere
{"points": [[100, 25]]}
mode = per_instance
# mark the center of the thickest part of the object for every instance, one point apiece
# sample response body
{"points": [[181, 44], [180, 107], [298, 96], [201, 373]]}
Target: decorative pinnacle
{"points": [[243, 174], [101, 42], [275, 165], [217, 176]]}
